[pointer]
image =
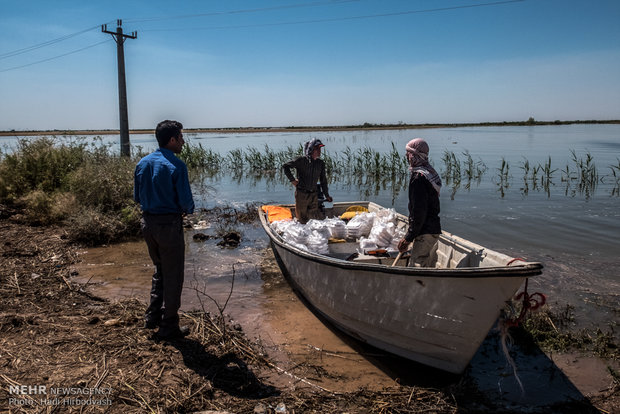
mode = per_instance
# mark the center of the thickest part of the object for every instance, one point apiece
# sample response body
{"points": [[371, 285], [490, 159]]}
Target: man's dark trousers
{"points": [[163, 234]]}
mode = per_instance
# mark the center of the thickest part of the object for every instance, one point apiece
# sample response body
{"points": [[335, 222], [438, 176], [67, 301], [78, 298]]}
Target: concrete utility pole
{"points": [[119, 37]]}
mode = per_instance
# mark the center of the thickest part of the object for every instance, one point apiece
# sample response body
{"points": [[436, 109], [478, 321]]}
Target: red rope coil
{"points": [[530, 302]]}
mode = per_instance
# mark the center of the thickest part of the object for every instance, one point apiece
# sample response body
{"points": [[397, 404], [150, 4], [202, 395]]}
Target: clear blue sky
{"points": [[239, 63]]}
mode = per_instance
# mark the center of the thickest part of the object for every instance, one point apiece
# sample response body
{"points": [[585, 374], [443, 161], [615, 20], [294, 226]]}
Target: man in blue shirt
{"points": [[161, 186]]}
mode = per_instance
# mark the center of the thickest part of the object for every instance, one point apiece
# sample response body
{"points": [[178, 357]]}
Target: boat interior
{"points": [[452, 252]]}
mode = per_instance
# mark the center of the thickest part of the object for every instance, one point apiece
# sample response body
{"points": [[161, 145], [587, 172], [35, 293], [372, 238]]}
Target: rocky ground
{"points": [[65, 350]]}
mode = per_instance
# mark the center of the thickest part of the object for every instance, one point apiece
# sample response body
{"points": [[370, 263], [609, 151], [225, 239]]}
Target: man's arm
{"points": [[184, 191], [418, 208], [287, 167], [136, 185], [324, 187]]}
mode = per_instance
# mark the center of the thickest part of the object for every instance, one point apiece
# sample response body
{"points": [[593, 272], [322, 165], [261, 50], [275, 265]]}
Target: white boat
{"points": [[436, 316]]}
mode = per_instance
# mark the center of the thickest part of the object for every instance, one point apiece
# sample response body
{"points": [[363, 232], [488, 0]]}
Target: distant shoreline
{"points": [[366, 126]]}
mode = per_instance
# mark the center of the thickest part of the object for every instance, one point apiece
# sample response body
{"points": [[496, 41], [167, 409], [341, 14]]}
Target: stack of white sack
{"points": [[319, 234], [319, 226], [292, 232], [317, 242], [386, 215], [373, 230], [310, 237], [337, 227], [384, 233], [367, 244], [398, 235], [359, 226]]}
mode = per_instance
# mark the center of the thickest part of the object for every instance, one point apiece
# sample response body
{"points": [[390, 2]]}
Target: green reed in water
{"points": [[504, 177], [452, 172], [455, 173], [538, 177], [372, 171], [584, 179], [615, 175], [52, 180]]}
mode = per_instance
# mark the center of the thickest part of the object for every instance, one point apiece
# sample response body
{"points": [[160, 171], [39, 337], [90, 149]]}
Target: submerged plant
{"points": [[452, 173], [525, 166], [615, 174], [584, 179], [504, 176], [473, 170]]}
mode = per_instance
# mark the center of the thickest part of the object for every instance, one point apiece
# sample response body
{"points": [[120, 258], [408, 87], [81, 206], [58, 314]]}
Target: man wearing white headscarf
{"points": [[424, 224], [310, 169]]}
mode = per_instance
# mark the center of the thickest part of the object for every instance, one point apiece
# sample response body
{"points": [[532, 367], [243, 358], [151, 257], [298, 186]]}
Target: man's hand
{"points": [[329, 199], [403, 245], [295, 183]]}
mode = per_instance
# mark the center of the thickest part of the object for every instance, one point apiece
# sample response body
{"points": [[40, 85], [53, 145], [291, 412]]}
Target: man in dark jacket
{"points": [[310, 168], [424, 224], [161, 186]]}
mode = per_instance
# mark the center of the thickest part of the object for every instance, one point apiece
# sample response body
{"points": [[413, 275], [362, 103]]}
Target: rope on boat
{"points": [[514, 260], [506, 341], [530, 302]]}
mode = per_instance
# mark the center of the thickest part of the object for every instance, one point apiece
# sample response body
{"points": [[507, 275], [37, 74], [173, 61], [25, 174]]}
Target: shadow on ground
{"points": [[226, 372]]}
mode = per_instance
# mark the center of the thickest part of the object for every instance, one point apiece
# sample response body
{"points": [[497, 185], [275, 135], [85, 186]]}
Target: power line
{"points": [[47, 43], [55, 57], [316, 3], [69, 36], [336, 19], [262, 9]]}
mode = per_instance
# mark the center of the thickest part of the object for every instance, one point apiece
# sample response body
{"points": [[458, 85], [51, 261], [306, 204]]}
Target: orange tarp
{"points": [[277, 213]]}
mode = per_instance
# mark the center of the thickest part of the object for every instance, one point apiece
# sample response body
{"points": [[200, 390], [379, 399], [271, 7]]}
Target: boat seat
{"points": [[452, 255]]}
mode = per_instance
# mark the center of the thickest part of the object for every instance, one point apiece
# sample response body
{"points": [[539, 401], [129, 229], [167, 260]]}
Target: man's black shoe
{"points": [[174, 334], [150, 324]]}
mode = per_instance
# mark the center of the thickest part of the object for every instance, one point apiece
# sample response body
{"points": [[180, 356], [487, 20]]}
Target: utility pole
{"points": [[119, 37]]}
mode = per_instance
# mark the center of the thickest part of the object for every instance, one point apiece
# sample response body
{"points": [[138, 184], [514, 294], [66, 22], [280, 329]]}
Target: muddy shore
{"points": [[56, 334]]}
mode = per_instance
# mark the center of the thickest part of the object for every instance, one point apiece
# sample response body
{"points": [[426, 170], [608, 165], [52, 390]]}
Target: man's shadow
{"points": [[226, 372]]}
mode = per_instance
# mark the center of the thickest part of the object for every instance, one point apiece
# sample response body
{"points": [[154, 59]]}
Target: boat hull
{"points": [[438, 317]]}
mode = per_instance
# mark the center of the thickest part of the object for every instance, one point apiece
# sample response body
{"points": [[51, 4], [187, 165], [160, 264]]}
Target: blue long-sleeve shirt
{"points": [[161, 184]]}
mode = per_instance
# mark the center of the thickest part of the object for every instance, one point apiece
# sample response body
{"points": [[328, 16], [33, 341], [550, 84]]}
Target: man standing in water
{"points": [[161, 186], [310, 168], [424, 224]]}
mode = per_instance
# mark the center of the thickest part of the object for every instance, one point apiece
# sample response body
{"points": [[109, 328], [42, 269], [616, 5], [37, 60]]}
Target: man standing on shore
{"points": [[161, 186], [310, 168]]}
